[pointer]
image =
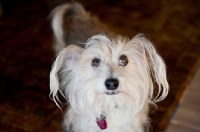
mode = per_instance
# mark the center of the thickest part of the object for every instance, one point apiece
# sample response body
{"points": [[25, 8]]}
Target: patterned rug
{"points": [[27, 55]]}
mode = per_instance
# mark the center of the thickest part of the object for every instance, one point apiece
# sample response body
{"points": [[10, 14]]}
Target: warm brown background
{"points": [[26, 54]]}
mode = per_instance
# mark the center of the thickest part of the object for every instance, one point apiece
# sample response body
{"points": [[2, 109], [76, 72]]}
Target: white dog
{"points": [[109, 81]]}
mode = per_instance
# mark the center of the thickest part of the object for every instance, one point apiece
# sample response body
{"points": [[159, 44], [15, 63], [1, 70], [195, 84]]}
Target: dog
{"points": [[109, 80]]}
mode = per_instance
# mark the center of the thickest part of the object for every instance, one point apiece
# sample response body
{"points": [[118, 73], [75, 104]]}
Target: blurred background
{"points": [[27, 55]]}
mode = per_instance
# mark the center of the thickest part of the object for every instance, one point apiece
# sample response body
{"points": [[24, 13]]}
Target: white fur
{"points": [[83, 85]]}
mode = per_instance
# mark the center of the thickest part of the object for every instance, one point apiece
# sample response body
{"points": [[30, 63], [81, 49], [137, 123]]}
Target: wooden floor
{"points": [[187, 117]]}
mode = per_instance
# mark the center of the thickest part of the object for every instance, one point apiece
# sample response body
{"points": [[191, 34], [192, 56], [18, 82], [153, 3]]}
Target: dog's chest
{"points": [[74, 122]]}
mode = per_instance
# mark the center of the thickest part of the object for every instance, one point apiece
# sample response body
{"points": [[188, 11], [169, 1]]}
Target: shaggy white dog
{"points": [[107, 79]]}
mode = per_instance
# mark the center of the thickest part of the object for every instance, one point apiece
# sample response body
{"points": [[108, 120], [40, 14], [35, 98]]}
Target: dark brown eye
{"points": [[123, 60], [95, 62]]}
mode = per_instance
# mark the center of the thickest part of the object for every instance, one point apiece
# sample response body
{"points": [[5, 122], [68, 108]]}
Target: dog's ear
{"points": [[66, 60], [155, 65]]}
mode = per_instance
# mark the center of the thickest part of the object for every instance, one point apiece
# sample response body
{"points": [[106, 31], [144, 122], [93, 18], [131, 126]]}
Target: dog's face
{"points": [[109, 75]]}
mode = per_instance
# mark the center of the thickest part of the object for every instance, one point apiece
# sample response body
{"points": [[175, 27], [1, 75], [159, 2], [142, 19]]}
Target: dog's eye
{"points": [[123, 60], [95, 62]]}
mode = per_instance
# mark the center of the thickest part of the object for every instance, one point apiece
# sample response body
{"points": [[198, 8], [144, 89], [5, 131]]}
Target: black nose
{"points": [[111, 83]]}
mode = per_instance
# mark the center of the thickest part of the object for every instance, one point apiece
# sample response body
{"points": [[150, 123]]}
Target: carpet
{"points": [[27, 55]]}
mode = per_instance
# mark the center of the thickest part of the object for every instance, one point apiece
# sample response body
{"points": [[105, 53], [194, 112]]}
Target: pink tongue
{"points": [[102, 123]]}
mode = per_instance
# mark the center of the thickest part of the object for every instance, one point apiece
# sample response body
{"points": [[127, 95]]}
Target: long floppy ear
{"points": [[66, 60], [155, 65]]}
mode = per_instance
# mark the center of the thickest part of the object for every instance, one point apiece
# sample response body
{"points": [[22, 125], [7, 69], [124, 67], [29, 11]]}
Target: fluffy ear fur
{"points": [[155, 65], [66, 60]]}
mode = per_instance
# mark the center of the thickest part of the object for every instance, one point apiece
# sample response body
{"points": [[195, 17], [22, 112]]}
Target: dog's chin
{"points": [[112, 92]]}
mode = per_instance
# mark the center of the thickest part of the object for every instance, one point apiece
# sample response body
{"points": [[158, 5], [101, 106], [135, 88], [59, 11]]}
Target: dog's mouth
{"points": [[112, 92]]}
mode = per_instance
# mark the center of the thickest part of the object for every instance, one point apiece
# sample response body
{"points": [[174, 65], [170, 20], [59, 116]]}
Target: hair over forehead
{"points": [[109, 40]]}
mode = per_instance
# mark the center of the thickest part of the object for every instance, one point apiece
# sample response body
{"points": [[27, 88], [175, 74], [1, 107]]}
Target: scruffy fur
{"points": [[87, 58]]}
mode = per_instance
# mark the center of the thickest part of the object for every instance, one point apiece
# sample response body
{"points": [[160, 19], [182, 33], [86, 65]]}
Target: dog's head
{"points": [[109, 73]]}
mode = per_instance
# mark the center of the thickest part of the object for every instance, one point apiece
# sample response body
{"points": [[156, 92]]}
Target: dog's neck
{"points": [[122, 118]]}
